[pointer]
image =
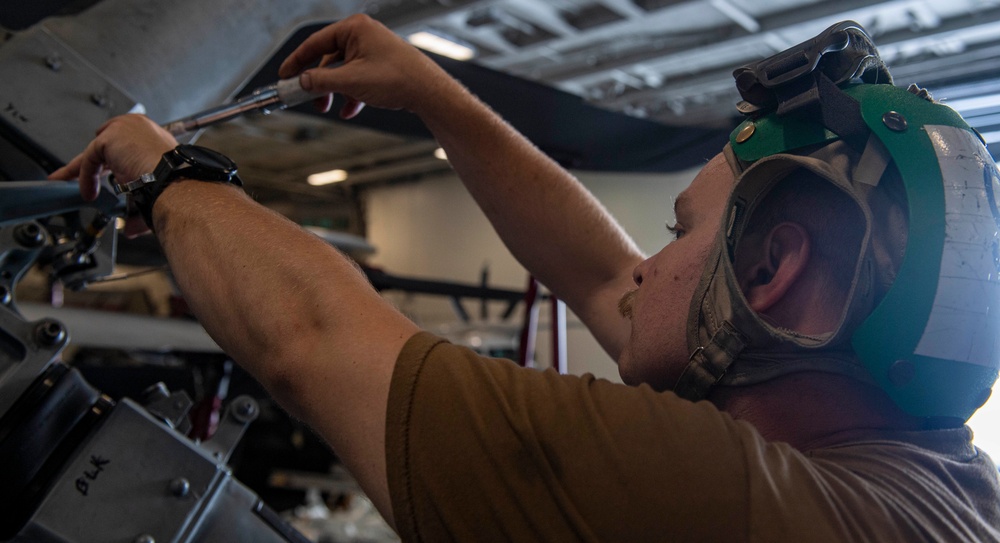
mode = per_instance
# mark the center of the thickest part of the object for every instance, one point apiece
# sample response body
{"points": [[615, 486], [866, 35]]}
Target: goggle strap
{"points": [[873, 162]]}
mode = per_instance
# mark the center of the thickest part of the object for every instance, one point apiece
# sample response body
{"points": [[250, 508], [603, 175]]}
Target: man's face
{"points": [[657, 351]]}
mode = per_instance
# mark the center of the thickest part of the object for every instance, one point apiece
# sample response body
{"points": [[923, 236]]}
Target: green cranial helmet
{"points": [[922, 317]]}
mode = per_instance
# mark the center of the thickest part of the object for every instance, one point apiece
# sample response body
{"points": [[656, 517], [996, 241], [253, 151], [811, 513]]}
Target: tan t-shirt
{"points": [[482, 450]]}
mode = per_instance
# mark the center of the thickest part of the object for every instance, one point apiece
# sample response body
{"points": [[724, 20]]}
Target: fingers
{"points": [[90, 168], [315, 47], [87, 168], [351, 108], [69, 171], [129, 145], [323, 103], [329, 60]]}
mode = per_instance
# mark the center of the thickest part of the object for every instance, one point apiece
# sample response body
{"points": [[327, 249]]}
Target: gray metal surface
{"points": [[128, 474], [23, 353], [52, 96], [105, 329], [184, 56], [118, 485], [135, 477], [65, 77]]}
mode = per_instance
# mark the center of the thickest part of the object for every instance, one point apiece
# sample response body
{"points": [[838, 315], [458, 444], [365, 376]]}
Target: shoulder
{"points": [[929, 482]]}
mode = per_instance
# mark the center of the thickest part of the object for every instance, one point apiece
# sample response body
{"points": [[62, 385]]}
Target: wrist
{"points": [[439, 98], [191, 202], [184, 162]]}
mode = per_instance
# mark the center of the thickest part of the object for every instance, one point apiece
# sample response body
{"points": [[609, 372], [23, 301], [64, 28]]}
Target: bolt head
{"points": [[180, 487], [746, 132], [29, 235], [54, 62], [894, 121], [50, 333], [245, 409]]}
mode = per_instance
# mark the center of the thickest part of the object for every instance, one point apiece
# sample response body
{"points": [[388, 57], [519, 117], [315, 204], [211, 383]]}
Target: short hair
{"points": [[835, 224]]}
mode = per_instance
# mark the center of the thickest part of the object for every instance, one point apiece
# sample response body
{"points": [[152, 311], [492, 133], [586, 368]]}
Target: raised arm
{"points": [[548, 220], [285, 305]]}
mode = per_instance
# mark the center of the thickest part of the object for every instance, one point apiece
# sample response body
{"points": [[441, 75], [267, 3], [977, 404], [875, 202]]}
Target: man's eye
{"points": [[675, 230]]}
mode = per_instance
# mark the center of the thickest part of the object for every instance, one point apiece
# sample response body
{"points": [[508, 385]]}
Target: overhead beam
{"points": [[681, 87], [573, 73]]}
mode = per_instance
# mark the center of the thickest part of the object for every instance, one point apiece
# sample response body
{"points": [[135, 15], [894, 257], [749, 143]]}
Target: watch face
{"points": [[206, 158]]}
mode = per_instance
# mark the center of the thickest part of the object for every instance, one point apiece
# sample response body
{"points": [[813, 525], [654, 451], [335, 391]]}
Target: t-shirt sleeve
{"points": [[479, 449]]}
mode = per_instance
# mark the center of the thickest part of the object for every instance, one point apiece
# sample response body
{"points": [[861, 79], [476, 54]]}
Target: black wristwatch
{"points": [[182, 162]]}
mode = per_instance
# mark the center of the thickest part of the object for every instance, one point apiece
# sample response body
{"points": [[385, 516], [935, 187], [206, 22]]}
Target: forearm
{"points": [[551, 223], [292, 311]]}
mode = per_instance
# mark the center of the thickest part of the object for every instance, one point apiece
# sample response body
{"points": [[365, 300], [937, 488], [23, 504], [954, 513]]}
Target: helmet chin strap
{"points": [[713, 355], [709, 363]]}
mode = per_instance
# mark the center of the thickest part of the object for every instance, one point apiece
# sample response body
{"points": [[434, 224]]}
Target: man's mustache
{"points": [[626, 302]]}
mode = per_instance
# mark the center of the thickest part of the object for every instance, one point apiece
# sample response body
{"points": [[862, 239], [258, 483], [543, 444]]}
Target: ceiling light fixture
{"points": [[443, 46], [325, 178]]}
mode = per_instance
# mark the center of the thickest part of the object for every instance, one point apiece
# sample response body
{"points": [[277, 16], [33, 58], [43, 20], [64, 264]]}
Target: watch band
{"points": [[130, 186]]}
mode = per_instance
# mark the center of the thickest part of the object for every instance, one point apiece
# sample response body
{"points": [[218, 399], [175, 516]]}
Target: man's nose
{"points": [[638, 271]]}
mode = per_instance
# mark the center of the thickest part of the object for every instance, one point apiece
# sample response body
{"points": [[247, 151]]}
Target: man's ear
{"points": [[782, 259]]}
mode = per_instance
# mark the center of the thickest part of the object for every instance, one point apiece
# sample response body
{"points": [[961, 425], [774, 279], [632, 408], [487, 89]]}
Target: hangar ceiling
{"points": [[664, 61], [672, 61]]}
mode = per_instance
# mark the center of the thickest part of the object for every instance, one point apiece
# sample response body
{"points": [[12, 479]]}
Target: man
{"points": [[795, 442]]}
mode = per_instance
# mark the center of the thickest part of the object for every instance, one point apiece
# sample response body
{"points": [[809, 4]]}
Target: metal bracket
{"points": [[171, 408], [843, 52], [239, 414]]}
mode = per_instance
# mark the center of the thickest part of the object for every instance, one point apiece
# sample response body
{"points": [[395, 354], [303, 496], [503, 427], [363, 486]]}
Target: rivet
{"points": [[99, 99], [894, 121], [54, 62], [902, 372], [745, 132], [180, 487], [245, 409]]}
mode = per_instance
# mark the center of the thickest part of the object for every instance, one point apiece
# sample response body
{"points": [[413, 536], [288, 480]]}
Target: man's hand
{"points": [[377, 67], [128, 146]]}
